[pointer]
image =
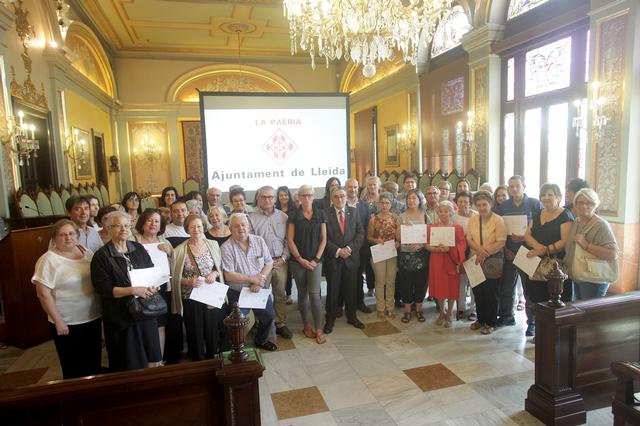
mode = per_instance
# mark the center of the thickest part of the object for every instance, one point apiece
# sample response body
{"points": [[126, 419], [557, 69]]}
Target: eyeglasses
{"points": [[432, 193], [340, 196], [584, 203], [267, 197], [121, 226], [305, 195]]}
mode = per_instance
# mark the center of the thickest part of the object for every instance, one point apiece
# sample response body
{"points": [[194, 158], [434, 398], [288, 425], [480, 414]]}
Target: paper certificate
{"points": [[516, 225], [527, 264], [413, 234], [384, 251], [210, 294], [158, 257], [148, 277], [474, 272], [445, 235], [251, 300]]}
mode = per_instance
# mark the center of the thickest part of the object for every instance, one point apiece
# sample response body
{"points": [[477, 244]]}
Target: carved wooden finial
{"points": [[236, 324]]}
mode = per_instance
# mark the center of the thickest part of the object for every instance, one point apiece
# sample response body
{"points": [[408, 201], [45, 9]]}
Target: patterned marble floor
{"points": [[390, 373]]}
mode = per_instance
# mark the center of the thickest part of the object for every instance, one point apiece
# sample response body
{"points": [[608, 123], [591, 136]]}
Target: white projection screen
{"points": [[261, 139]]}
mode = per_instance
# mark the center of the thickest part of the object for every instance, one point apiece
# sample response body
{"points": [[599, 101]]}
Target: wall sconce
{"points": [[468, 130], [408, 138], [147, 150], [596, 106], [76, 147], [21, 138]]}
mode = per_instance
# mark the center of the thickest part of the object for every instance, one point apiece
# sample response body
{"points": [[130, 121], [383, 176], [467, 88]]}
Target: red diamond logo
{"points": [[279, 146]]}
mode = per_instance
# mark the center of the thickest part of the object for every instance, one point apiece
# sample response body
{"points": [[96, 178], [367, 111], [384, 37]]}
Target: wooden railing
{"points": [[575, 346]]}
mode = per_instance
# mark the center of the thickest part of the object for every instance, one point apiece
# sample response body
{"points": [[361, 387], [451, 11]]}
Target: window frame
{"points": [[520, 104]]}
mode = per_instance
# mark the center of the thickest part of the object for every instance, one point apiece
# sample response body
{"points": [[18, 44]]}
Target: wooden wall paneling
{"points": [[365, 143]]}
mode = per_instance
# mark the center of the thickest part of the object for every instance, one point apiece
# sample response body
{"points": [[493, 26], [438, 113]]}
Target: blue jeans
{"points": [[264, 316], [585, 290]]}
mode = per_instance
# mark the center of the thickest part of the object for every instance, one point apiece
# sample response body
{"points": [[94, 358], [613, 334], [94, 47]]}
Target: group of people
{"points": [[84, 286]]}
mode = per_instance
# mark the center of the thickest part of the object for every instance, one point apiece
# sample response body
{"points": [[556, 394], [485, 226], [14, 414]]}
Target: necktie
{"points": [[341, 220]]}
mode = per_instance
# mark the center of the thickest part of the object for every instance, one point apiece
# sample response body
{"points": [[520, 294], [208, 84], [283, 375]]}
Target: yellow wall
{"points": [[86, 116], [391, 111]]}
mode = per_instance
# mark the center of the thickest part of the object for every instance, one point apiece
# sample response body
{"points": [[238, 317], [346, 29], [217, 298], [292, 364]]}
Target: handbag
{"points": [[588, 268], [544, 267], [492, 265], [146, 308]]}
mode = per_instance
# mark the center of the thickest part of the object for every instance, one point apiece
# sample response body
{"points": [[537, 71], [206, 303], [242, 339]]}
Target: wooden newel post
{"points": [[555, 281], [236, 324]]}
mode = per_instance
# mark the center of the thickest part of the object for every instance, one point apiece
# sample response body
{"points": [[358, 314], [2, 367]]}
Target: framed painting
{"points": [[393, 159]]}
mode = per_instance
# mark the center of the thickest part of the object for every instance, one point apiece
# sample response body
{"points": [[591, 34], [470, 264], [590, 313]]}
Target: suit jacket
{"points": [[353, 237]]}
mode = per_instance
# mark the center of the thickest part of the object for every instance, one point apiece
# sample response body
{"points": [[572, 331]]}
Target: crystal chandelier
{"points": [[364, 31], [21, 139]]}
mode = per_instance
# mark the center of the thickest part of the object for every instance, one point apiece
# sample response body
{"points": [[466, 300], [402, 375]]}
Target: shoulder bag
{"points": [[589, 268], [492, 265]]}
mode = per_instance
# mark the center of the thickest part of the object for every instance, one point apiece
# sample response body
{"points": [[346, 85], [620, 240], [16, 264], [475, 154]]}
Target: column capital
{"points": [[477, 42]]}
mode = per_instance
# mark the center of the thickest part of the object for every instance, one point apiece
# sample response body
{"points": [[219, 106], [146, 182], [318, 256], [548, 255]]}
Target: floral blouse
{"points": [[205, 264], [385, 228]]}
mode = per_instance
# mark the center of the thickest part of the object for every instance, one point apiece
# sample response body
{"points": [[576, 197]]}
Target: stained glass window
{"points": [[518, 7], [548, 67], [449, 32], [452, 96], [557, 141], [459, 146]]}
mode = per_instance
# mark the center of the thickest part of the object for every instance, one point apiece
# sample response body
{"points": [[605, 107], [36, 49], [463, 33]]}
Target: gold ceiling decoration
{"points": [[27, 90]]}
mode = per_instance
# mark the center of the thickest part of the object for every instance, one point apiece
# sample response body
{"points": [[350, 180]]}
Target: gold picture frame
{"points": [[393, 155]]}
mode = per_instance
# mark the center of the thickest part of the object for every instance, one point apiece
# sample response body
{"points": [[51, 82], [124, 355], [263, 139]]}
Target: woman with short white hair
{"points": [[590, 237]]}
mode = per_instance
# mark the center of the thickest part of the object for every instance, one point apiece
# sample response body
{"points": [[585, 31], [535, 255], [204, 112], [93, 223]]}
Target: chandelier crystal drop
{"points": [[363, 31]]}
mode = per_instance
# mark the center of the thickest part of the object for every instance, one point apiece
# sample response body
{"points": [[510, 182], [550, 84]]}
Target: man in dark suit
{"points": [[342, 257]]}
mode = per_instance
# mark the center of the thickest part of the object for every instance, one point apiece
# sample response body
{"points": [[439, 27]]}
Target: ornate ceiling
{"points": [[191, 28]]}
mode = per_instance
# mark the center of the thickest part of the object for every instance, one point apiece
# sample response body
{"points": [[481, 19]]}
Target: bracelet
{"points": [[316, 259]]}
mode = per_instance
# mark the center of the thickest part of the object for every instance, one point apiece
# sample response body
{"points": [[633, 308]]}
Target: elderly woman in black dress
{"points": [[131, 344]]}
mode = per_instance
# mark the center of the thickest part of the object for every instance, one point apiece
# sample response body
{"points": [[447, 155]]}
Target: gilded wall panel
{"points": [[192, 137], [610, 65], [148, 146], [481, 119]]}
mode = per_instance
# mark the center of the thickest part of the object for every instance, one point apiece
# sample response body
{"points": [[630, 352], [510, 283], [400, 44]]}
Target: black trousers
{"points": [[486, 295], [413, 285], [134, 347], [536, 292], [80, 351], [366, 268], [341, 280], [507, 289], [203, 326], [289, 285]]}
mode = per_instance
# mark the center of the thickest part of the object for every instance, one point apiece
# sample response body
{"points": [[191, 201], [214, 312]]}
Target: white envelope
{"points": [[474, 272], [158, 257], [251, 300], [413, 234], [210, 294], [381, 252], [516, 224], [148, 277], [527, 264], [445, 235]]}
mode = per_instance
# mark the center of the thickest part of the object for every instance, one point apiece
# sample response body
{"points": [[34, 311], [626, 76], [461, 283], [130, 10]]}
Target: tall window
{"points": [[518, 7], [542, 84], [449, 32]]}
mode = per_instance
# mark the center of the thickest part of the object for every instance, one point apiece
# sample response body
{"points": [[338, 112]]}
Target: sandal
{"points": [[475, 326], [380, 314], [487, 329], [308, 331], [420, 317], [320, 338], [440, 321], [406, 317], [521, 305], [447, 324], [391, 314]]}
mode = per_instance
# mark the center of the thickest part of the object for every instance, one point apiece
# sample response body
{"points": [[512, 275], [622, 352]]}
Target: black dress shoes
{"points": [[339, 312], [356, 323], [364, 308], [328, 327]]}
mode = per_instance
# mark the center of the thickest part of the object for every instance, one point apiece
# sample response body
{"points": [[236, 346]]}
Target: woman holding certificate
{"points": [[196, 263], [150, 227], [590, 242], [486, 236], [383, 227], [445, 258], [131, 343], [546, 235], [413, 258]]}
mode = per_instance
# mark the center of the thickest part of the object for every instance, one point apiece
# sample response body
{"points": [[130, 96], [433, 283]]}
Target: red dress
{"points": [[443, 271]]}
